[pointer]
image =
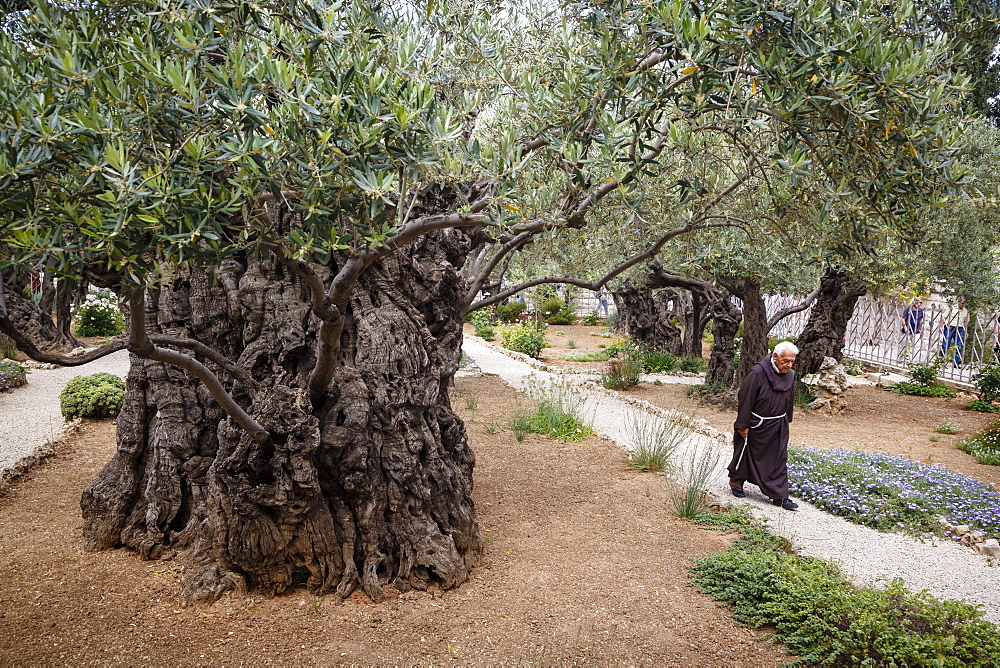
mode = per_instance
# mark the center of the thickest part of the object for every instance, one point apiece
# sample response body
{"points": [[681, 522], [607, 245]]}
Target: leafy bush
{"points": [[987, 381], [509, 312], [916, 389], [566, 317], [97, 396], [925, 376], [559, 414], [12, 375], [479, 318], [523, 339], [593, 318], [621, 373], [622, 348], [984, 444], [982, 406], [98, 315], [822, 618], [772, 341], [926, 373], [892, 493], [486, 332], [692, 364], [657, 362], [551, 306]]}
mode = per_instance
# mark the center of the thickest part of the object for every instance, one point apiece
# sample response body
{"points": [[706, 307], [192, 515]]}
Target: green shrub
{"points": [[772, 341], [982, 406], [656, 362], [565, 317], [12, 375], [486, 332], [926, 373], [621, 373], [509, 312], [822, 618], [919, 390], [97, 396], [984, 444], [479, 318], [551, 306], [987, 381], [98, 315], [523, 339], [593, 318], [691, 364], [559, 414]]}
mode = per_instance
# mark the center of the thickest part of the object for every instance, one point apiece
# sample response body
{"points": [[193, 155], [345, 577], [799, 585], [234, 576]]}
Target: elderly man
{"points": [[761, 429]]}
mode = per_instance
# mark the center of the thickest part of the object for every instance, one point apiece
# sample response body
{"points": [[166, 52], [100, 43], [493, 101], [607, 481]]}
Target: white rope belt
{"points": [[761, 419], [746, 441]]}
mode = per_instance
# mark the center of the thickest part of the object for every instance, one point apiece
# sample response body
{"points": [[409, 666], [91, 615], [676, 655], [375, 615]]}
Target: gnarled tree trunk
{"points": [[644, 316], [726, 320], [696, 316], [823, 335], [753, 347], [372, 487], [37, 325]]}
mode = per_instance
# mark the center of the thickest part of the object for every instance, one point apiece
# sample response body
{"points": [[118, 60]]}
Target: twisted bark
{"points": [[368, 486], [823, 335]]}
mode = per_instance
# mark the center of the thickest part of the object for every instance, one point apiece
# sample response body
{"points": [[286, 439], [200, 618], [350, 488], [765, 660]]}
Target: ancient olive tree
{"points": [[285, 195]]}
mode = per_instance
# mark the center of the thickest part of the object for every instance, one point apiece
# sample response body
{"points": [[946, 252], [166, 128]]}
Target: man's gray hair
{"points": [[786, 347]]}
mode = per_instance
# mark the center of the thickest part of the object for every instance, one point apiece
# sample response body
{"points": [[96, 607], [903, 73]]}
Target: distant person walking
{"points": [[953, 332], [913, 322], [760, 433], [602, 301]]}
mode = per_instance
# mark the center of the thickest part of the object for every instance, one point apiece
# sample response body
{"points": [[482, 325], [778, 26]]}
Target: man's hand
{"points": [[743, 432]]}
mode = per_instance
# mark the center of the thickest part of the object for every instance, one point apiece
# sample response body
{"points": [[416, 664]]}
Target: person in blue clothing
{"points": [[913, 322], [953, 339]]}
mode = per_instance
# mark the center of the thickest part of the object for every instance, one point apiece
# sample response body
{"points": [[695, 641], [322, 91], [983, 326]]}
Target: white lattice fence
{"points": [[876, 334]]}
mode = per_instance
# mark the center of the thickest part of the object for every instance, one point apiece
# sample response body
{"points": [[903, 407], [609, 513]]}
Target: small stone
{"points": [[990, 548], [961, 529]]}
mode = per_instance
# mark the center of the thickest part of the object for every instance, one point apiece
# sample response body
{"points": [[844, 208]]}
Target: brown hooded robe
{"points": [[766, 399]]}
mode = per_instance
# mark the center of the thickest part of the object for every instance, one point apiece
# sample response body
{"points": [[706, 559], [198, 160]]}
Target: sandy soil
{"points": [[583, 564]]}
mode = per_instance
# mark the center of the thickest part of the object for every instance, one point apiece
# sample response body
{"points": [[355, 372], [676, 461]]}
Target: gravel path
{"points": [[30, 417], [945, 569]]}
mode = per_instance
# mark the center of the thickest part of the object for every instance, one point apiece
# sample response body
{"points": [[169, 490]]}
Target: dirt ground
{"points": [[583, 565]]}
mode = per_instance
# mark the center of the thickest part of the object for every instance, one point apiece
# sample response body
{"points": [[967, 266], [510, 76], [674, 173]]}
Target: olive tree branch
{"points": [[141, 344]]}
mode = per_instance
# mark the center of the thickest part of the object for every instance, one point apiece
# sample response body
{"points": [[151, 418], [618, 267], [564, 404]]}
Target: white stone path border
{"points": [[944, 568]]}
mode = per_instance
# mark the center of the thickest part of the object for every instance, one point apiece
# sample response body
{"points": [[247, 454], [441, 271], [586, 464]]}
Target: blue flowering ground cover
{"points": [[891, 493]]}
